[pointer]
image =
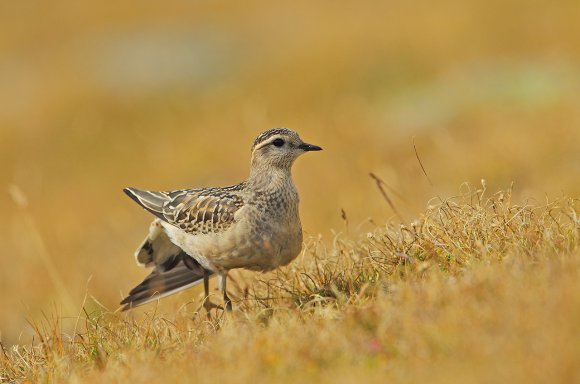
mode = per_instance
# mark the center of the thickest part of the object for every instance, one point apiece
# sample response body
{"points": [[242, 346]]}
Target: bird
{"points": [[201, 232]]}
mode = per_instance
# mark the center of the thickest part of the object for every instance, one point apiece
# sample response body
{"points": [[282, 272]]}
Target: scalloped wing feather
{"points": [[195, 211]]}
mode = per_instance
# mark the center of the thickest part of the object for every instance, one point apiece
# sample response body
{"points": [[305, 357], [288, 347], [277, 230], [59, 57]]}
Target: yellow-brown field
{"points": [[477, 286]]}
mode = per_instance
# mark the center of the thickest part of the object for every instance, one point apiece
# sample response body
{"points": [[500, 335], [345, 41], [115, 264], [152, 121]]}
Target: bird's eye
{"points": [[278, 142]]}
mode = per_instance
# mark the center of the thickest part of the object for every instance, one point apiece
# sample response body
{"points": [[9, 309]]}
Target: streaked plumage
{"points": [[198, 232], [206, 210]]}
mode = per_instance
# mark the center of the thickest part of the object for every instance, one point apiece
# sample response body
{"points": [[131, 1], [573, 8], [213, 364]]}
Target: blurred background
{"points": [[96, 96]]}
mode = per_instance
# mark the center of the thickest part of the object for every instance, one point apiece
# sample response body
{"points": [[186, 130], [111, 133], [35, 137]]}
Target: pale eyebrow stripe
{"points": [[264, 143]]}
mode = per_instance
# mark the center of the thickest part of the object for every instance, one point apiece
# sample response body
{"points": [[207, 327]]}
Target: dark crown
{"points": [[271, 132]]}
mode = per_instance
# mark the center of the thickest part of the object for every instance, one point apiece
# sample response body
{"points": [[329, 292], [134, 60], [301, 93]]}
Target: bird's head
{"points": [[278, 148]]}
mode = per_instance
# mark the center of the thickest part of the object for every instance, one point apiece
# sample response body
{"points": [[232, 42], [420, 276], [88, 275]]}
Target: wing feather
{"points": [[195, 210]]}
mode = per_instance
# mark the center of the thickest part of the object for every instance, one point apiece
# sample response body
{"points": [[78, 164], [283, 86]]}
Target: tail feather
{"points": [[173, 270], [166, 280], [162, 283]]}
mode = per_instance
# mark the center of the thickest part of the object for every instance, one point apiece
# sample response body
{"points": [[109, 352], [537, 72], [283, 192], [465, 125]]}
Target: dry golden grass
{"points": [[97, 96], [479, 289]]}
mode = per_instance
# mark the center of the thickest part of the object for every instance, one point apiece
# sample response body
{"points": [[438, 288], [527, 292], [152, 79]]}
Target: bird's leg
{"points": [[206, 284], [207, 304], [222, 276]]}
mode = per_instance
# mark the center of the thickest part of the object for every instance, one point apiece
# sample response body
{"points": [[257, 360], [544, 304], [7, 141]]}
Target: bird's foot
{"points": [[227, 303], [208, 305]]}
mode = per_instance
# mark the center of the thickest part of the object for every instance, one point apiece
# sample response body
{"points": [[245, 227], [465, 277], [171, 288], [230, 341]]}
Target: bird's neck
{"points": [[270, 178]]}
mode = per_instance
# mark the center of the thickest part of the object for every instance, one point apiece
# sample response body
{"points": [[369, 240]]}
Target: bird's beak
{"points": [[309, 147]]}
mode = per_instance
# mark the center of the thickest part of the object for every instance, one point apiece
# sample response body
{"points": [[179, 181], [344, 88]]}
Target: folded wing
{"points": [[195, 211]]}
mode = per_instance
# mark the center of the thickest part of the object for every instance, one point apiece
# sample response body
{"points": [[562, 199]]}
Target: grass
{"points": [[97, 96], [478, 289]]}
